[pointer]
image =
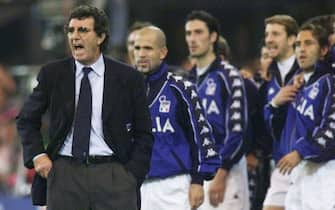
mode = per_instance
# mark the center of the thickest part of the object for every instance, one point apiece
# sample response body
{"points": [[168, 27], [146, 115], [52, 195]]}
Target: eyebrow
{"points": [[80, 28]]}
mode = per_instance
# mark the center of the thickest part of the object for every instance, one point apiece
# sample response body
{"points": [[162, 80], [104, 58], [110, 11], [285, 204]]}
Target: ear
{"points": [[163, 53], [291, 40], [213, 36], [101, 38], [324, 51]]}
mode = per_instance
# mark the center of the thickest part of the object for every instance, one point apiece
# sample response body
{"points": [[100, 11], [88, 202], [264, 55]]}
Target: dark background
{"points": [[22, 28]]}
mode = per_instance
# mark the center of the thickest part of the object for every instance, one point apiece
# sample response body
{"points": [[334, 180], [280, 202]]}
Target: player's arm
{"points": [[320, 145]]}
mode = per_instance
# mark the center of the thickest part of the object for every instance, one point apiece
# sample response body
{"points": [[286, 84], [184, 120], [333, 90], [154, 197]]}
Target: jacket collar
{"points": [[159, 73]]}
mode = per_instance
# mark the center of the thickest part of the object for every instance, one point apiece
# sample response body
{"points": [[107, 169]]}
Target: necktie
{"points": [[82, 121]]}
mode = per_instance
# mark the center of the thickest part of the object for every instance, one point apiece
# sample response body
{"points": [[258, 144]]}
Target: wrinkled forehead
{"points": [[81, 22]]}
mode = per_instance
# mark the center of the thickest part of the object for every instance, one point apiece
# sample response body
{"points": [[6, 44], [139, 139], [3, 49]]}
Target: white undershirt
{"points": [[307, 76], [285, 66], [201, 71]]}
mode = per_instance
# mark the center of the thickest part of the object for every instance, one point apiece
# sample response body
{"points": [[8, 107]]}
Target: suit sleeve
{"points": [[143, 140], [319, 146], [29, 120]]}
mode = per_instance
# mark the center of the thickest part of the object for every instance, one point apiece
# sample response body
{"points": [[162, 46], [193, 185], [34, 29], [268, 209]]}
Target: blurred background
{"points": [[31, 34]]}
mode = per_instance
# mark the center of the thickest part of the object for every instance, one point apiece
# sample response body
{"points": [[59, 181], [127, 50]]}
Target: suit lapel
{"points": [[111, 88], [68, 88]]}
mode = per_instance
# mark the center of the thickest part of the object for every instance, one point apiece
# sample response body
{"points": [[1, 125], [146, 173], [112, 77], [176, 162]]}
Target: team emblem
{"points": [[211, 87], [164, 106], [314, 92]]}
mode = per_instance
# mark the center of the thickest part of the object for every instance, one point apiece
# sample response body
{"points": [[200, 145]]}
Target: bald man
{"points": [[132, 31], [184, 153]]}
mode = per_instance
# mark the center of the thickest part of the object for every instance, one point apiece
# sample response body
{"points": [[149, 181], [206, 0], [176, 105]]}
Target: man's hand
{"points": [[298, 80], [252, 162], [43, 165], [196, 195], [288, 162], [285, 95], [218, 187]]}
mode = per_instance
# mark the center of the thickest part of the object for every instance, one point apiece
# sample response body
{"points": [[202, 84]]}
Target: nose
{"points": [[142, 53], [268, 38], [74, 35], [190, 38], [302, 48]]}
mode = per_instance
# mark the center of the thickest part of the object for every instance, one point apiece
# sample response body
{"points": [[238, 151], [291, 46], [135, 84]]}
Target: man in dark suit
{"points": [[100, 137]]}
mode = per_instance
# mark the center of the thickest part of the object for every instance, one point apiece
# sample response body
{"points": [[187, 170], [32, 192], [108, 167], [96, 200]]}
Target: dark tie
{"points": [[82, 121]]}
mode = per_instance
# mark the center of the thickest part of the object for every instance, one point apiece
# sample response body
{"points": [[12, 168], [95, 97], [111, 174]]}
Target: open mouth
{"points": [[272, 47], [142, 62], [78, 46]]}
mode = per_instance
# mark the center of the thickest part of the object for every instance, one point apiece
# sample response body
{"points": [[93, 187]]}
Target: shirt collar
{"points": [[286, 64], [307, 76], [161, 70], [98, 67], [202, 71]]}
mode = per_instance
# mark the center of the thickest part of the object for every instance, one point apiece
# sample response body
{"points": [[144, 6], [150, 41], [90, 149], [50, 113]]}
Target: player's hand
{"points": [[196, 195], [43, 165], [246, 74], [285, 95], [288, 162], [217, 187], [252, 162], [298, 80]]}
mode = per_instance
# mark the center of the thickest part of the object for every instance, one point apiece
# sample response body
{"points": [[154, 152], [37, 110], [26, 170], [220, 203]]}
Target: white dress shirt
{"points": [[285, 67], [97, 144]]}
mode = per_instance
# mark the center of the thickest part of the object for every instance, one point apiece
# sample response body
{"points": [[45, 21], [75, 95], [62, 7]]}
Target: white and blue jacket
{"points": [[223, 96], [183, 138], [275, 117], [311, 118], [310, 121]]}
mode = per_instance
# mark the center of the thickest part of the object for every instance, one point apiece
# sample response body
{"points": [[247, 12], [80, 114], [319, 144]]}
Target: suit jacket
{"points": [[125, 115]]}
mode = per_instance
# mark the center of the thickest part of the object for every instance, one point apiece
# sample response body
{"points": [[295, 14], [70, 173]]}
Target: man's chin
{"points": [[144, 71], [196, 55], [79, 58]]}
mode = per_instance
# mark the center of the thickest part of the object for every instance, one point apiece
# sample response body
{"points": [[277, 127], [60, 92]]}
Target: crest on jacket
{"points": [[164, 104], [211, 87]]}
